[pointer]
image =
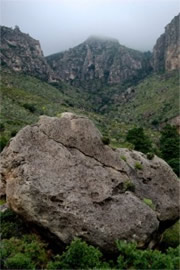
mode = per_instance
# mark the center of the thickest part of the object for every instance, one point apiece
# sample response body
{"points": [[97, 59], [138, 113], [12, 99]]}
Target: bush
{"points": [[13, 133], [79, 255], [105, 140], [170, 237], [11, 225], [2, 127], [170, 147], [133, 258], [138, 166], [3, 142], [128, 185], [123, 158], [149, 203], [29, 249], [175, 165], [19, 261], [29, 107], [141, 142], [150, 155]]}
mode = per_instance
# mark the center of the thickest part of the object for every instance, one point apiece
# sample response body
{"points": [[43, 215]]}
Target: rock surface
{"points": [[99, 60], [167, 49], [59, 175], [21, 53]]}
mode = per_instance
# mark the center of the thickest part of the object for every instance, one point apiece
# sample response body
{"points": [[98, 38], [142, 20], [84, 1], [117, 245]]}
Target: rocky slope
{"points": [[58, 174], [99, 61], [22, 53], [166, 51]]}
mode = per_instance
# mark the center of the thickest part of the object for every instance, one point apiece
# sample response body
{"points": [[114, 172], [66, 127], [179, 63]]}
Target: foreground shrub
{"points": [[133, 258], [19, 261], [171, 237], [79, 255], [3, 142], [11, 225], [25, 253]]}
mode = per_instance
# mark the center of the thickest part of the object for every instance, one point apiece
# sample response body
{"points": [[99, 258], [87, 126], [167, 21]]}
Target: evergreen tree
{"points": [[169, 147], [139, 139]]}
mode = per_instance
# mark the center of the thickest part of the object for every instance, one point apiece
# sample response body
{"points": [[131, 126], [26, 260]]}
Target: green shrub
{"points": [[150, 155], [3, 142], [139, 139], [29, 249], [11, 225], [170, 237], [29, 107], [123, 158], [149, 203], [138, 166], [170, 147], [13, 133], [175, 165], [2, 127], [79, 255], [19, 261], [128, 185], [105, 140], [133, 258], [2, 201], [173, 253]]}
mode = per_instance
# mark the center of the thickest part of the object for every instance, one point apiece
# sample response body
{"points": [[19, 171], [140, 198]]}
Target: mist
{"points": [[63, 24]]}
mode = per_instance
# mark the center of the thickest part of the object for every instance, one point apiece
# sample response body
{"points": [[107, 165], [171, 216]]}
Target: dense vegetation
{"points": [[25, 98], [170, 147], [141, 142], [22, 249]]}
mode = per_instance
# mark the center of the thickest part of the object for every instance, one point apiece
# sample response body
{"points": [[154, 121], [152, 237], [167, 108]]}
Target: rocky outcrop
{"points": [[98, 61], [21, 53], [166, 52], [59, 175]]}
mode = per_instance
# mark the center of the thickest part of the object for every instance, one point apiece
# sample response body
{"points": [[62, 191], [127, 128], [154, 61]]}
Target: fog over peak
{"points": [[63, 24]]}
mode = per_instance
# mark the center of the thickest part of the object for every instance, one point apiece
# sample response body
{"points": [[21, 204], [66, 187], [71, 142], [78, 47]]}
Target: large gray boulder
{"points": [[58, 174]]}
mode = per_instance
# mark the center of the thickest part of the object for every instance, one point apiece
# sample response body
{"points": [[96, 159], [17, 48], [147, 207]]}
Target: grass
{"points": [[149, 203], [123, 158], [155, 101], [138, 166], [2, 201], [24, 99]]}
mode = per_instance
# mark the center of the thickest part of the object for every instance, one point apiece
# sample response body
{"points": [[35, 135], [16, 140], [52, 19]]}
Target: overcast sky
{"points": [[62, 24]]}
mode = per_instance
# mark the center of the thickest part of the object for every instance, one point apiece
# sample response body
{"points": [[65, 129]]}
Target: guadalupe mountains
{"points": [[97, 59], [114, 85], [100, 60]]}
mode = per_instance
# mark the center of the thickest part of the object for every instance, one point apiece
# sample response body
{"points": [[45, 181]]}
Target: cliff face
{"points": [[22, 53], [166, 51], [103, 60]]}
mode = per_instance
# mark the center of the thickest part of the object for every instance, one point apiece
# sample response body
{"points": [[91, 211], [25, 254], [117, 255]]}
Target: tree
{"points": [[139, 139], [169, 147]]}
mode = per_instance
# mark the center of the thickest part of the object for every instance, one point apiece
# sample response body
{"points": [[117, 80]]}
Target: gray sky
{"points": [[63, 24]]}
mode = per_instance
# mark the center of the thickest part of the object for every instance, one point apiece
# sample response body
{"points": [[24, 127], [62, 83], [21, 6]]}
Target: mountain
{"points": [[167, 49], [22, 53], [113, 85], [99, 61]]}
